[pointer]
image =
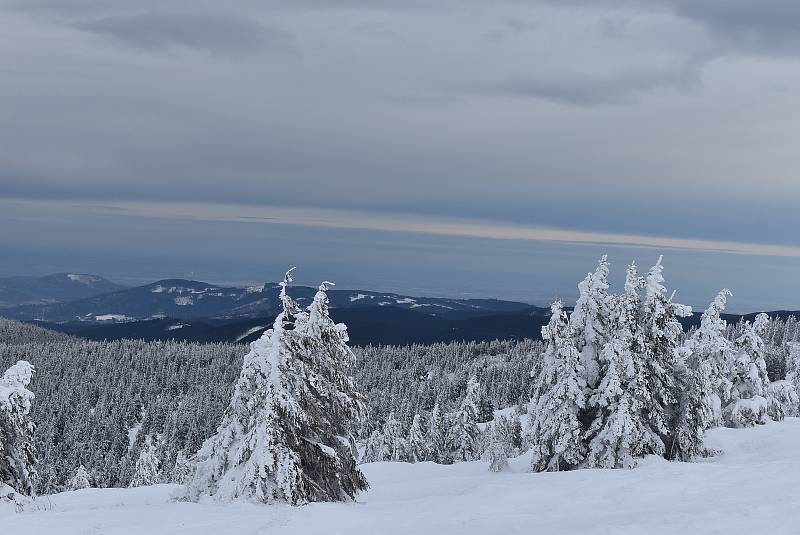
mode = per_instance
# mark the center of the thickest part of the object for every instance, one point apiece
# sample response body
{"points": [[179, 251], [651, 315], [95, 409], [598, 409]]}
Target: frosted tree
{"points": [[660, 339], [496, 450], [182, 469], [418, 440], [374, 448], [749, 404], [331, 401], [792, 404], [396, 446], [286, 433], [147, 466], [620, 433], [17, 450], [465, 432], [80, 480], [589, 320], [700, 374], [556, 431], [438, 437]]}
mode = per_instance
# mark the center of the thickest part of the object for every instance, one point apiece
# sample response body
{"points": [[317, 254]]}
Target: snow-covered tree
{"points": [[589, 320], [80, 480], [374, 448], [465, 432], [332, 402], [286, 435], [496, 450], [395, 444], [660, 339], [438, 437], [750, 403], [182, 469], [418, 441], [793, 377], [17, 450], [147, 466], [700, 374], [556, 431]]}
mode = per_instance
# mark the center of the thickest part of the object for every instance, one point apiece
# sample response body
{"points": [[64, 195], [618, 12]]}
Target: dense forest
{"points": [[98, 402]]}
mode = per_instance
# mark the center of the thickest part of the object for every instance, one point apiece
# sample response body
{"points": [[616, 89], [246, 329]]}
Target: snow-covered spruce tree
{"points": [[556, 432], [620, 432], [465, 432], [660, 337], [80, 480], [395, 445], [700, 375], [374, 448], [182, 469], [791, 405], [286, 433], [17, 451], [496, 450], [331, 401], [147, 466], [418, 441], [589, 321], [749, 404], [438, 437]]}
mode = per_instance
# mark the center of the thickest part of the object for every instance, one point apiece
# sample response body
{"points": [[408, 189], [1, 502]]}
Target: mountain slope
{"points": [[186, 299], [366, 325], [56, 288]]}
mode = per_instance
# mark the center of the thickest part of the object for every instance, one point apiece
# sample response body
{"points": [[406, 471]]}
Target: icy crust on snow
{"points": [[750, 488]]}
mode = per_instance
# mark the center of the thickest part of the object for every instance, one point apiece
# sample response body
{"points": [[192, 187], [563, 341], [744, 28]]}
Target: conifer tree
{"points": [[793, 378], [466, 434], [749, 403], [17, 450], [496, 450], [700, 377], [589, 320], [418, 441], [660, 337], [147, 466], [556, 431], [439, 443], [80, 480], [286, 435], [182, 470], [620, 432]]}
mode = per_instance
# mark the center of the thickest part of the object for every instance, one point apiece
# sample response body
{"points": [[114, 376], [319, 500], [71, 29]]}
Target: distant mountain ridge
{"points": [[187, 299], [56, 288]]}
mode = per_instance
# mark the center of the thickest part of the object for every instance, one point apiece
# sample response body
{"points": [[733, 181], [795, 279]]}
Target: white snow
{"points": [[250, 331], [82, 279], [112, 317], [176, 326], [358, 297], [183, 301], [751, 488]]}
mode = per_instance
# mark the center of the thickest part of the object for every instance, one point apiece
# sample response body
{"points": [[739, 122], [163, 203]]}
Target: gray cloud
{"points": [[766, 26], [601, 89], [211, 32], [422, 114]]}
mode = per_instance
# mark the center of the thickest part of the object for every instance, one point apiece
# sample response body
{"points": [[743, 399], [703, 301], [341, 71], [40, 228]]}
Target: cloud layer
{"points": [[627, 117]]}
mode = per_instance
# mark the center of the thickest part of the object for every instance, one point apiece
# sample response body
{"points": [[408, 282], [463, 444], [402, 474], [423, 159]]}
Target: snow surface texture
{"points": [[751, 488]]}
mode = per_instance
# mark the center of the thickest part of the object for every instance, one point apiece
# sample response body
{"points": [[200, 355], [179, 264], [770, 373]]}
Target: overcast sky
{"points": [[457, 131]]}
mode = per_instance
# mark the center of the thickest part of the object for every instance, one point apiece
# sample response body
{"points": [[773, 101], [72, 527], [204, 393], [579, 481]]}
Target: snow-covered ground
{"points": [[754, 487]]}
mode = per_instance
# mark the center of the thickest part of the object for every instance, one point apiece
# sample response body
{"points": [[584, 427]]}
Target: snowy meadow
{"points": [[648, 426]]}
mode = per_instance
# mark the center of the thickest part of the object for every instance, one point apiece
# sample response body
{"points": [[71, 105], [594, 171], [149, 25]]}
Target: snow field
{"points": [[751, 488]]}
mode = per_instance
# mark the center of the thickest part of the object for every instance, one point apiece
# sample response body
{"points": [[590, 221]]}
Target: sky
{"points": [[444, 147]]}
